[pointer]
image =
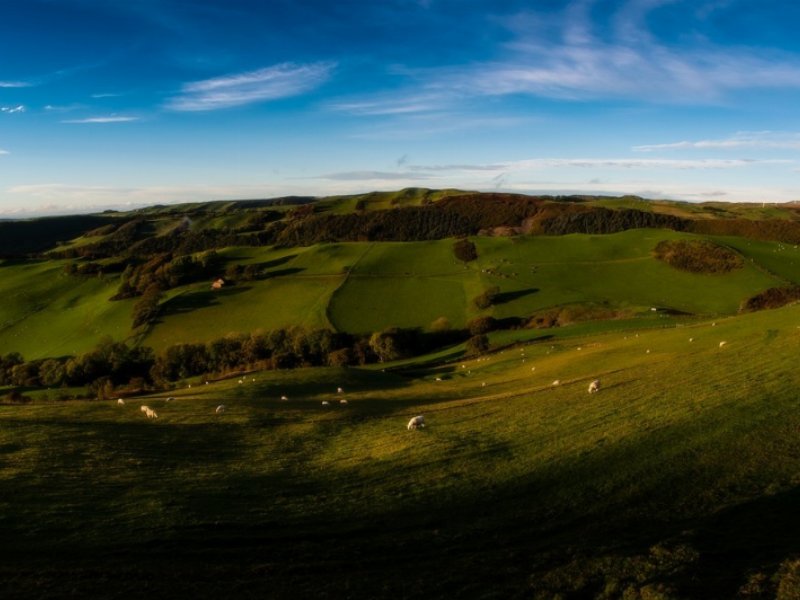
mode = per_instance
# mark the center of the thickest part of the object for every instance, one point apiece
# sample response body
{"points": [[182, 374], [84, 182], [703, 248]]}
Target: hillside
{"points": [[601, 264], [677, 480]]}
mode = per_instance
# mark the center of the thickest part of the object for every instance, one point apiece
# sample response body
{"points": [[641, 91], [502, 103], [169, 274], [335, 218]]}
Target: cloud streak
{"points": [[10, 110], [766, 140], [623, 60], [14, 84], [271, 83], [104, 119]]}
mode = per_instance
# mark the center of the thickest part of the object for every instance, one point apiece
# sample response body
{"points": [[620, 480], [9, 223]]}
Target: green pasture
{"points": [[362, 287], [47, 313], [680, 475]]}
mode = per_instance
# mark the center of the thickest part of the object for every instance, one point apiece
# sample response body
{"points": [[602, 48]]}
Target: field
{"points": [[678, 479], [361, 287]]}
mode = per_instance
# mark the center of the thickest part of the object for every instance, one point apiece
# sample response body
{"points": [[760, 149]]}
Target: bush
{"points": [[480, 325], [698, 256], [487, 298], [465, 250], [771, 298], [477, 344]]}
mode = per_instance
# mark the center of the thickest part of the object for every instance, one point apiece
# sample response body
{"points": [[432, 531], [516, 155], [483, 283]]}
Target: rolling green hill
{"points": [[361, 287], [678, 479]]}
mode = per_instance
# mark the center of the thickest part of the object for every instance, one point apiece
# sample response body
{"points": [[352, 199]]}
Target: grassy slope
{"points": [[689, 447], [363, 287], [46, 313], [413, 284]]}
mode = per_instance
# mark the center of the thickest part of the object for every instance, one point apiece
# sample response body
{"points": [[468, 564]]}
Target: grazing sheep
{"points": [[416, 422], [284, 398], [647, 351], [342, 401], [339, 390], [325, 403], [483, 384], [120, 401], [144, 408], [240, 381], [721, 344], [220, 409], [691, 339], [170, 399], [149, 412], [594, 386], [556, 382], [438, 379]]}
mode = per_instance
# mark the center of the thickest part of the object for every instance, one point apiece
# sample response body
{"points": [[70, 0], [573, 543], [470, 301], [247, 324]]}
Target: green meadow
{"points": [[360, 287], [677, 479]]}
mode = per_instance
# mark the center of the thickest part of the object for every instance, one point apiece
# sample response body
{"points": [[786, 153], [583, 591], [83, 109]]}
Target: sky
{"points": [[125, 103]]}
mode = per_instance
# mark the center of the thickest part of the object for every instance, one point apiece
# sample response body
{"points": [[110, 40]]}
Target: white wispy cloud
{"points": [[589, 60], [4, 151], [603, 163], [374, 176], [393, 104], [744, 139], [10, 110], [14, 84], [271, 83], [103, 119]]}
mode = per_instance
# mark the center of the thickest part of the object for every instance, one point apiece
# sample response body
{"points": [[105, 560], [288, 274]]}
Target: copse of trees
{"points": [[698, 256], [487, 298], [167, 271], [465, 250]]}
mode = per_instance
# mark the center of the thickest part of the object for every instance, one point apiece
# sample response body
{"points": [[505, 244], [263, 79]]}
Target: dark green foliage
{"points": [[698, 256], [7, 364], [487, 298], [767, 229], [477, 344], [147, 309], [597, 220], [18, 238], [465, 250], [167, 272], [772, 298], [483, 324]]}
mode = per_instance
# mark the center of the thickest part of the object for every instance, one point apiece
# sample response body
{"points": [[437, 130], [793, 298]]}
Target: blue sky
{"points": [[126, 103]]}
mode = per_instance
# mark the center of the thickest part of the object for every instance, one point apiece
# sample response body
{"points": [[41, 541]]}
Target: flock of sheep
{"points": [[416, 422]]}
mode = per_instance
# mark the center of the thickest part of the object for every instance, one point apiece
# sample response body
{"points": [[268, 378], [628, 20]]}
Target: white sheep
{"points": [[149, 412], [220, 409], [416, 422], [284, 398], [438, 379], [721, 344], [240, 381], [120, 401], [144, 408], [170, 399], [594, 386], [342, 401], [339, 390], [556, 382], [691, 339], [325, 403]]}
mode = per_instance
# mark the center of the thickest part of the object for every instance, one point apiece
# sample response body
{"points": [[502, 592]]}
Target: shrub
{"points": [[465, 250], [698, 256], [480, 325], [477, 344], [771, 298], [487, 298]]}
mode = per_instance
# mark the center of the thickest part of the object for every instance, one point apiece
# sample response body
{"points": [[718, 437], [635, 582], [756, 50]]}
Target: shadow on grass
{"points": [[186, 303], [505, 297]]}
